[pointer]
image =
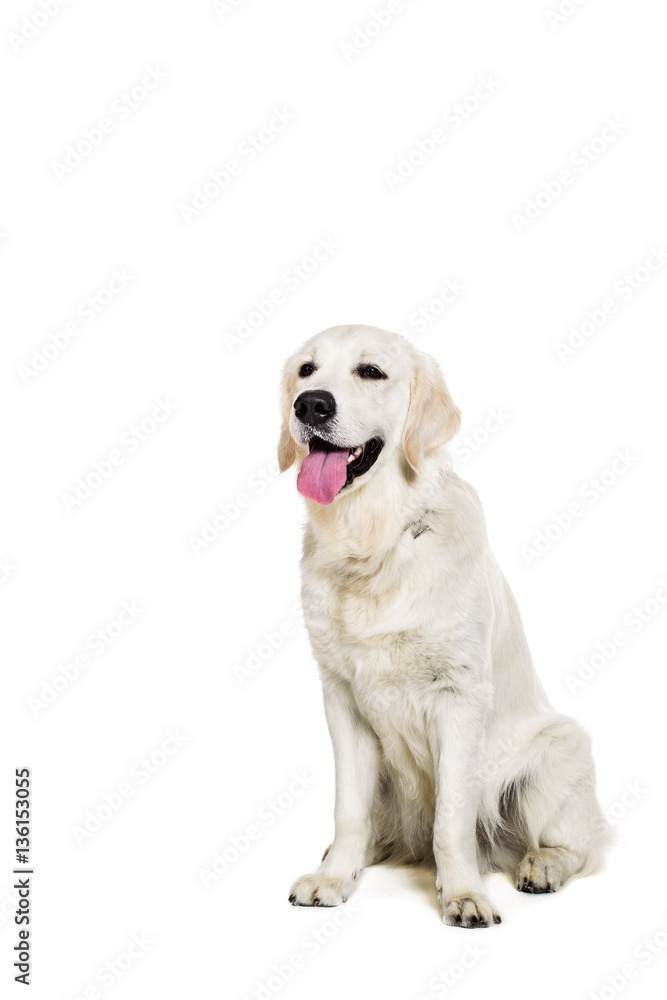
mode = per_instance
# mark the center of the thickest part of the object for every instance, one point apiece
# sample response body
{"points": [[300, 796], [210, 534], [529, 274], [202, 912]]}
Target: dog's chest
{"points": [[400, 637], [372, 631]]}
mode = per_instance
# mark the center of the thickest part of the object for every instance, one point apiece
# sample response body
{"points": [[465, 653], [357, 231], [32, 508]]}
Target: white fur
{"points": [[446, 747]]}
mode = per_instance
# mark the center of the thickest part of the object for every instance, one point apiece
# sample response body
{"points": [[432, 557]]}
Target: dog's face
{"points": [[355, 397]]}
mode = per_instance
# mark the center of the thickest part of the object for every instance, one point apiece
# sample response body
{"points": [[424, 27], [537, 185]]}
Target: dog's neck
{"points": [[360, 528]]}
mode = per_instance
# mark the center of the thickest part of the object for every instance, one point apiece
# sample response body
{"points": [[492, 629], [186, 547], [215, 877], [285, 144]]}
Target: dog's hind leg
{"points": [[541, 823], [558, 821]]}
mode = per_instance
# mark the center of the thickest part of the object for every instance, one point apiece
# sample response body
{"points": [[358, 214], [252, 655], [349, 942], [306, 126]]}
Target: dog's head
{"points": [[355, 397]]}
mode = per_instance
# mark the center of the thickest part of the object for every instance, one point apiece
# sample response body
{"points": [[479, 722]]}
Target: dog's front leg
{"points": [[457, 730], [356, 758]]}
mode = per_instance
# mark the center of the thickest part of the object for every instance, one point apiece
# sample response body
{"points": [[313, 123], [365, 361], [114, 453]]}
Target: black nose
{"points": [[315, 406]]}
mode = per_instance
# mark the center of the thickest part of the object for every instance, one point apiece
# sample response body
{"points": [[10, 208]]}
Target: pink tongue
{"points": [[322, 475]]}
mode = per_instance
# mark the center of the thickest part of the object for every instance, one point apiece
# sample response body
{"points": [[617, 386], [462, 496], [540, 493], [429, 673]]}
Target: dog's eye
{"points": [[370, 371], [306, 370]]}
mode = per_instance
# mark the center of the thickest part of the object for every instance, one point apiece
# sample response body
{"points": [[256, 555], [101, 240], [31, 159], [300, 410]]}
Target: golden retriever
{"points": [[446, 748]]}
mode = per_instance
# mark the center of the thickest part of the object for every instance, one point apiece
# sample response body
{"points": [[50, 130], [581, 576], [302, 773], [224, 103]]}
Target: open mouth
{"points": [[329, 468]]}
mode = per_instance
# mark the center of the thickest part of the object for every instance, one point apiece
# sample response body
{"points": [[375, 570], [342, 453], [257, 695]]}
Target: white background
{"points": [[67, 572]]}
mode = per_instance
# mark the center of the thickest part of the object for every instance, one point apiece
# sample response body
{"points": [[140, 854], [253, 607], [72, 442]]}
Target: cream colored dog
{"points": [[446, 747]]}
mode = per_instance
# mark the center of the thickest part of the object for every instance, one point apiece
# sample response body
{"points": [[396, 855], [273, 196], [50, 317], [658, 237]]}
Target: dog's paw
{"points": [[321, 889], [470, 909], [540, 871]]}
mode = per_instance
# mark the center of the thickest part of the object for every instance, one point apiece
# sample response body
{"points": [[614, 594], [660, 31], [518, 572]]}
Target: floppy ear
{"points": [[433, 417], [286, 444]]}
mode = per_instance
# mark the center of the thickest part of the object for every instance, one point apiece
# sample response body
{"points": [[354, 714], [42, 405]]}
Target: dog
{"points": [[446, 748]]}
